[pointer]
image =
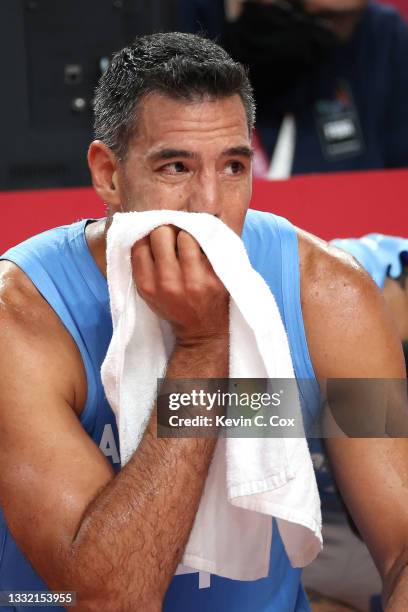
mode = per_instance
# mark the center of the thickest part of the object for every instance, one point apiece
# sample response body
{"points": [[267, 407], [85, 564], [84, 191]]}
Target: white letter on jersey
{"points": [[108, 444]]}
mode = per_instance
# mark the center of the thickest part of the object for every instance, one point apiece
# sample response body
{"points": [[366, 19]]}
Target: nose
{"points": [[205, 195]]}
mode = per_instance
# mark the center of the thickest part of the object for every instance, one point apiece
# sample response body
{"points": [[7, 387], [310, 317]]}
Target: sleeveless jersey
{"points": [[380, 255], [60, 265]]}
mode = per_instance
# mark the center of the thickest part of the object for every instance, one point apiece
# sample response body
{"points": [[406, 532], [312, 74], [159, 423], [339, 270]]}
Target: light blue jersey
{"points": [[380, 255], [62, 268]]}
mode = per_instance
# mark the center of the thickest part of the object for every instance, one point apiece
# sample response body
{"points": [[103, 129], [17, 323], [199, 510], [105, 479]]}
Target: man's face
{"points": [[189, 156]]}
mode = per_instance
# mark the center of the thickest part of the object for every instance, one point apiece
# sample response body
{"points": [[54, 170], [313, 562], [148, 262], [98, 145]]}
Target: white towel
{"points": [[269, 477]]}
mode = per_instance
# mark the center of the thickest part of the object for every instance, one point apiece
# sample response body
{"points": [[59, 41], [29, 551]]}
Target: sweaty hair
{"points": [[181, 66]]}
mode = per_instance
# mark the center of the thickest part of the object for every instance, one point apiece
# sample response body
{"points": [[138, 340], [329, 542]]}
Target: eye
{"points": [[234, 167], [177, 167]]}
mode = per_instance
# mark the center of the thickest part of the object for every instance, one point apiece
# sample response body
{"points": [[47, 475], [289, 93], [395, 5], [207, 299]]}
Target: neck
{"points": [[95, 234]]}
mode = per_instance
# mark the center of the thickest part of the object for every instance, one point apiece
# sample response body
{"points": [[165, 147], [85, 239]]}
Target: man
{"points": [[345, 570], [330, 78], [174, 116]]}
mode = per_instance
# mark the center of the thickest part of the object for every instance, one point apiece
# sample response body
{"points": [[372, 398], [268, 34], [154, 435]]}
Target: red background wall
{"points": [[338, 205]]}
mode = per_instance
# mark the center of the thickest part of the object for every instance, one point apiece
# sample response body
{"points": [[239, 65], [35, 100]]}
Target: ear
{"points": [[102, 164]]}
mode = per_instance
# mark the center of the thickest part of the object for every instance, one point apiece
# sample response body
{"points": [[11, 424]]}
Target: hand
{"points": [[176, 280]]}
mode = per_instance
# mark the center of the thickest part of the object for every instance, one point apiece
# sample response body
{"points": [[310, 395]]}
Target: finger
{"points": [[143, 267], [194, 264], [163, 244], [188, 249]]}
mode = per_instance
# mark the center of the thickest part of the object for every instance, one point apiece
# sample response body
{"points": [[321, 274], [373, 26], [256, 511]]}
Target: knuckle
{"points": [[136, 248], [135, 256], [145, 287], [215, 285], [187, 253], [194, 288], [168, 288], [147, 293]]}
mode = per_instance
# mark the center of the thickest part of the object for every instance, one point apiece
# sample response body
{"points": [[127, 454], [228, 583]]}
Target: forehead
{"points": [[169, 121]]}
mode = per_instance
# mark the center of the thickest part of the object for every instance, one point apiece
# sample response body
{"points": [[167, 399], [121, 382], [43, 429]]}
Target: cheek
{"points": [[139, 190], [144, 194], [236, 204]]}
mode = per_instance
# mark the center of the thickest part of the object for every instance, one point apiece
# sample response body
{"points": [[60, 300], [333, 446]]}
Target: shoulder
{"points": [[323, 261], [332, 281], [345, 315], [20, 302], [33, 337]]}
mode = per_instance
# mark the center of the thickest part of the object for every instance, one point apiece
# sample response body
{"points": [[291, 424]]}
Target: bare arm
{"points": [[354, 337], [116, 540], [140, 522]]}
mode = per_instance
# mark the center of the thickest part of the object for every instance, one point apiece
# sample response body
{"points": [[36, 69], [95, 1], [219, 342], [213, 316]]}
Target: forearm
{"points": [[134, 533]]}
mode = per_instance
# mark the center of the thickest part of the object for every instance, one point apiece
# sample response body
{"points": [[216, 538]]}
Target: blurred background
{"points": [[331, 79], [331, 143], [53, 52]]}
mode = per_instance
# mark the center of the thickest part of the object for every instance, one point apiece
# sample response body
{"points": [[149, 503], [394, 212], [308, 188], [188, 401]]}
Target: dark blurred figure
{"points": [[330, 76], [53, 55]]}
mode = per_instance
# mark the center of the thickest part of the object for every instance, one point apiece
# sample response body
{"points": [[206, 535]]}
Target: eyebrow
{"points": [[239, 152], [166, 154]]}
